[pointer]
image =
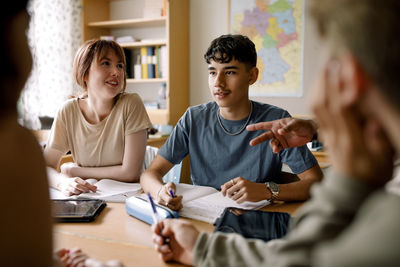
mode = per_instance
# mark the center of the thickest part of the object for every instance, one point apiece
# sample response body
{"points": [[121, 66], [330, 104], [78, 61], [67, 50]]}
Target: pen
{"points": [[155, 217], [171, 193]]}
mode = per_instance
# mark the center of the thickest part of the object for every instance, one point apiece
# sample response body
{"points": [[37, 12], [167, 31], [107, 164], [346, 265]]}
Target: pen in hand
{"points": [[155, 217], [171, 193]]}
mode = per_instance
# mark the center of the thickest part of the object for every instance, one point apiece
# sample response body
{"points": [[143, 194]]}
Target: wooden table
{"points": [[322, 158], [116, 235]]}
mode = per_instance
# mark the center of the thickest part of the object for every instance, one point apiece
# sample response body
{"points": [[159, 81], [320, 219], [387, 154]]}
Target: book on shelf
{"points": [[150, 62], [137, 68], [157, 67], [143, 55], [164, 61], [107, 189], [206, 203], [129, 63]]}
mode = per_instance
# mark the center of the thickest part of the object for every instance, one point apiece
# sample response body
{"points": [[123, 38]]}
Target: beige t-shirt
{"points": [[102, 144]]}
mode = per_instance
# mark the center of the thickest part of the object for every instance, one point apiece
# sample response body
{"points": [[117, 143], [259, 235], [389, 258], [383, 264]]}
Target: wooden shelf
{"points": [[129, 23], [154, 80], [143, 44]]}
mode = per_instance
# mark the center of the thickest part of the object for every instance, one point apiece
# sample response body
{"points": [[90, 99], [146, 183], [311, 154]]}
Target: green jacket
{"points": [[346, 223]]}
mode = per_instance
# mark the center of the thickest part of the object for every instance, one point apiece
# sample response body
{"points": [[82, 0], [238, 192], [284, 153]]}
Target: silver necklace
{"points": [[241, 129]]}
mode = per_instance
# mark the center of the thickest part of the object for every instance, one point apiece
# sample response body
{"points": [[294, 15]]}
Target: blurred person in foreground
{"points": [[26, 223]]}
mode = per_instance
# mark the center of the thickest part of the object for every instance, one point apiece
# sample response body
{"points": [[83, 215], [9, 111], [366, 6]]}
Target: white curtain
{"points": [[54, 35]]}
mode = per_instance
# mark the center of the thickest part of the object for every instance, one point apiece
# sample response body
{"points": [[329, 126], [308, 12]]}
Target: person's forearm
{"points": [[295, 191], [55, 177], [297, 187], [151, 182], [118, 172]]}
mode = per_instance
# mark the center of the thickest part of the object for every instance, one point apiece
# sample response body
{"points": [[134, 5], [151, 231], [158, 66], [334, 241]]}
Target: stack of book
{"points": [[150, 63]]}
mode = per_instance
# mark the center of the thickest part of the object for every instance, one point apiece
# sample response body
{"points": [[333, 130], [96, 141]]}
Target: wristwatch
{"points": [[274, 189]]}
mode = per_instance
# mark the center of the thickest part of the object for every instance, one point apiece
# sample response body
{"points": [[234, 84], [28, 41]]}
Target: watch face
{"points": [[274, 187]]}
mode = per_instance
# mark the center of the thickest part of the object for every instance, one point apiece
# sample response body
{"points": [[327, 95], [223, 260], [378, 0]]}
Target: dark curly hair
{"points": [[232, 46]]}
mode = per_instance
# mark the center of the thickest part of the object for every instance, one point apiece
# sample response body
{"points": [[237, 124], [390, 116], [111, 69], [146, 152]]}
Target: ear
{"points": [[353, 81], [85, 81], [253, 75]]}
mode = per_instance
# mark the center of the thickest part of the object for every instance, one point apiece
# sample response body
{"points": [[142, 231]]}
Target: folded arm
{"points": [[128, 171], [66, 184]]}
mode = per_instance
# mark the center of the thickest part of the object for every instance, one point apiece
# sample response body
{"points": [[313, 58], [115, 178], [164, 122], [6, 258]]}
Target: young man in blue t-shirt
{"points": [[214, 136]]}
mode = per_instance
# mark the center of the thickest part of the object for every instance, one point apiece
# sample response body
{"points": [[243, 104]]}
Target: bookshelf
{"points": [[125, 17]]}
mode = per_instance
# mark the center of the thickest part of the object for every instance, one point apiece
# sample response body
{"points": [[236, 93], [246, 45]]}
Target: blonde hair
{"points": [[86, 54], [369, 29]]}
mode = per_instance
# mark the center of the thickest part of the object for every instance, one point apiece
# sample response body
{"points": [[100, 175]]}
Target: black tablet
{"points": [[258, 224], [77, 210]]}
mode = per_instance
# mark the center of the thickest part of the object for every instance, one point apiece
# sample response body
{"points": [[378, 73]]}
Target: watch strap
{"points": [[274, 193]]}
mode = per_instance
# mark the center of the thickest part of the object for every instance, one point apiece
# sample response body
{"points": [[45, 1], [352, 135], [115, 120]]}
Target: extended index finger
{"points": [[266, 125], [262, 138]]}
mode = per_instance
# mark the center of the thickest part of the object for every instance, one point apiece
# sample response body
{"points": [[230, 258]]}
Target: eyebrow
{"points": [[225, 68], [109, 59]]}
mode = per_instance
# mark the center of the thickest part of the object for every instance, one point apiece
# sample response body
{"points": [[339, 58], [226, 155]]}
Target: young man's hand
{"points": [[182, 237], [284, 133], [164, 197], [241, 190]]}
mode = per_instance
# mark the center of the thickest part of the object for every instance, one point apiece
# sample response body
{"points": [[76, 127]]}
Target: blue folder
{"points": [[140, 208]]}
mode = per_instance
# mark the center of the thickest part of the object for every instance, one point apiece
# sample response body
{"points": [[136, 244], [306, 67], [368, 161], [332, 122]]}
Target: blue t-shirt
{"points": [[216, 157]]}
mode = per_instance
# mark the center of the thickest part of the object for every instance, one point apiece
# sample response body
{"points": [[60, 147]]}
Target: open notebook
{"points": [[206, 204], [107, 189]]}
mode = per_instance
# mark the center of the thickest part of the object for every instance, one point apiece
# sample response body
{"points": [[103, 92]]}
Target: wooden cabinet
{"points": [[121, 17]]}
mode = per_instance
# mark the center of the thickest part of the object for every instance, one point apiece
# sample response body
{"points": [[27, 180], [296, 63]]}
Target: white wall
{"points": [[208, 20]]}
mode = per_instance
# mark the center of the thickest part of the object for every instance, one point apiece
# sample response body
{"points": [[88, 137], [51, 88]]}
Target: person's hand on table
{"points": [[164, 197], [284, 133], [70, 258], [182, 237], [355, 141], [75, 186], [76, 258], [241, 190]]}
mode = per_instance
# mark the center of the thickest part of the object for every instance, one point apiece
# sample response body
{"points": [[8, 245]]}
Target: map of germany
{"points": [[275, 26]]}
